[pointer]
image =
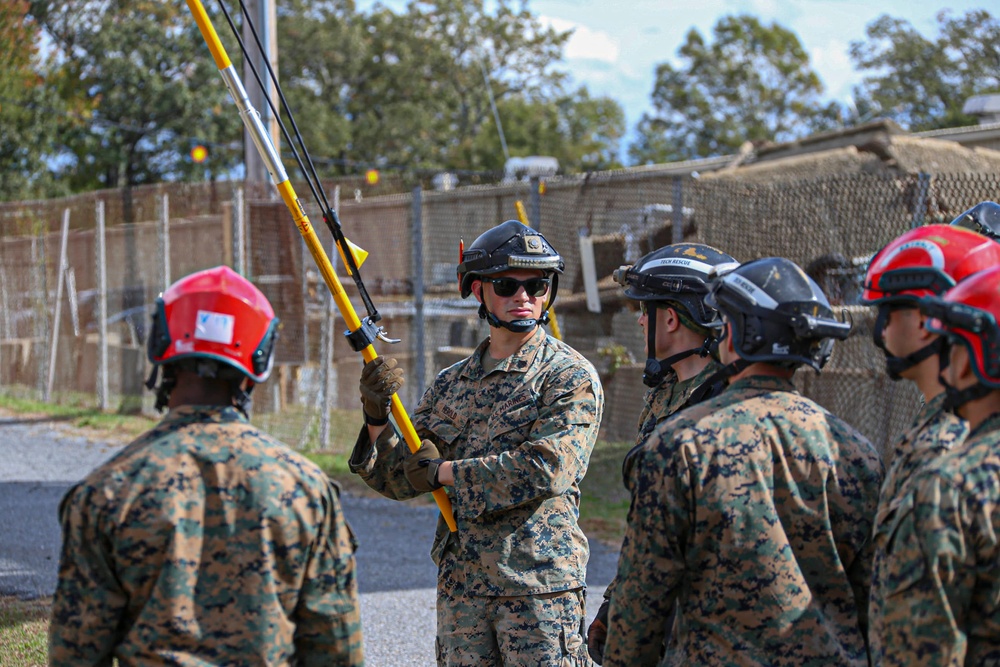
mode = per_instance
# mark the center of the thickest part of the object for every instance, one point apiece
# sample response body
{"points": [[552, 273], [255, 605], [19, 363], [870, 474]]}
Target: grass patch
{"points": [[24, 627], [604, 500], [79, 411]]}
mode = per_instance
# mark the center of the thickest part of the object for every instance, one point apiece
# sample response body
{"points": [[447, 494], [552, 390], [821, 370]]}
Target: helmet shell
{"points": [[679, 273], [970, 312], [215, 314], [925, 261], [509, 245], [983, 218], [778, 313]]}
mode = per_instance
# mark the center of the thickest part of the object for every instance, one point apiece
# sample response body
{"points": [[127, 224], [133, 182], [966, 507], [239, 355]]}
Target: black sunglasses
{"points": [[509, 286]]}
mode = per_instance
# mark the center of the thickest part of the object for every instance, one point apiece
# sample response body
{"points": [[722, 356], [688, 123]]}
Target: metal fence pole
{"points": [[419, 344], [60, 279], [164, 240], [239, 233], [103, 399], [327, 370], [41, 318], [920, 203], [678, 211]]}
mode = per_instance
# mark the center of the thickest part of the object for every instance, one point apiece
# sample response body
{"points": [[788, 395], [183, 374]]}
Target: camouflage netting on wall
{"points": [[830, 224]]}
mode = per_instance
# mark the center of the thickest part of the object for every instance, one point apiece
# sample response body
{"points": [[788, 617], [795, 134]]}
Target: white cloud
{"points": [[585, 43]]}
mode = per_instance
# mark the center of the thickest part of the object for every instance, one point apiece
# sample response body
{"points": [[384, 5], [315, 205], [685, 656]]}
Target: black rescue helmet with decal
{"points": [[778, 313], [509, 245]]}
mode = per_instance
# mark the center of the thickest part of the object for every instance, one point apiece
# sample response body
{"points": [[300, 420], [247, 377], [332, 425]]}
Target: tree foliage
{"points": [[412, 90], [753, 82], [28, 109], [145, 89], [923, 83]]}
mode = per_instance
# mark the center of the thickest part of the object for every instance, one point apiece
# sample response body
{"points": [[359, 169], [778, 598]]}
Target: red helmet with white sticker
{"points": [[925, 261], [217, 315]]}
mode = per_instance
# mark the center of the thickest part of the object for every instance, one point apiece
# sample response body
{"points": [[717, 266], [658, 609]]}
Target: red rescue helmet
{"points": [[925, 261], [968, 313], [215, 314]]}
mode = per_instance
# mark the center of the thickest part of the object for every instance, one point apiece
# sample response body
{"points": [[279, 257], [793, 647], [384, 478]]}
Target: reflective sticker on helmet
{"points": [[533, 244], [214, 327], [753, 293], [183, 346], [778, 348], [932, 249], [678, 261]]}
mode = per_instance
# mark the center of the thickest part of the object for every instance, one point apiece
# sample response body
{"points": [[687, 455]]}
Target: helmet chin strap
{"points": [[954, 398], [656, 370], [517, 326], [896, 366]]}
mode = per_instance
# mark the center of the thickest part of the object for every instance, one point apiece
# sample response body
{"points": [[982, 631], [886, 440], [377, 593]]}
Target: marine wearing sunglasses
{"points": [[507, 287]]}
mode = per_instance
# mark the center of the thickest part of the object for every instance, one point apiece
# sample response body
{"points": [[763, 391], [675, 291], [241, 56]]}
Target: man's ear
{"points": [[477, 290], [672, 320], [961, 363]]}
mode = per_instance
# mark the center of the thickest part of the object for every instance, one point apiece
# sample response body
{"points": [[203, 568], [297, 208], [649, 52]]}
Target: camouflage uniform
{"points": [[667, 398], [662, 401], [942, 588], [932, 433], [520, 437], [205, 542], [751, 512]]}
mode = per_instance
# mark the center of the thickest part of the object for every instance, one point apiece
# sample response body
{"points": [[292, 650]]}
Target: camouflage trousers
{"points": [[543, 630]]}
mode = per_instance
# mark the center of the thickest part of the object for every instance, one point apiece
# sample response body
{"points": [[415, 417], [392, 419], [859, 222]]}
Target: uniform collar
{"points": [[519, 362], [204, 413]]}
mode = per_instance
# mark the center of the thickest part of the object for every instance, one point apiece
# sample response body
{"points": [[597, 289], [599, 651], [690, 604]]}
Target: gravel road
{"points": [[40, 459]]}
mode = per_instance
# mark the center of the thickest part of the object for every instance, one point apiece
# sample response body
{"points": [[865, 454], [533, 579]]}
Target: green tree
{"points": [[29, 113], [422, 99], [407, 91], [142, 75], [320, 47], [582, 132], [752, 83], [923, 83]]}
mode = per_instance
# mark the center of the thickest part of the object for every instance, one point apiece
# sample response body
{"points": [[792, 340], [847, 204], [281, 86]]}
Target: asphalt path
{"points": [[40, 459]]}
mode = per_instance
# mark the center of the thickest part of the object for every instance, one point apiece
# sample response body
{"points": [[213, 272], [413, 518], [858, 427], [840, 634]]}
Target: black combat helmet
{"points": [[675, 276], [510, 245], [778, 314], [983, 218]]}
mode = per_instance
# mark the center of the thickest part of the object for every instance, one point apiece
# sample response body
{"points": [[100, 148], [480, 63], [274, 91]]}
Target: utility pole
{"points": [[264, 17]]}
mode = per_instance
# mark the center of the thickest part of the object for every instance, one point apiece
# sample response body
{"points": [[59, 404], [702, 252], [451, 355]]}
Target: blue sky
{"points": [[617, 45]]}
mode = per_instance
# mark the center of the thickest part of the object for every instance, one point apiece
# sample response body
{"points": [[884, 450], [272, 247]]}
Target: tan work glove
{"points": [[380, 379], [421, 467]]}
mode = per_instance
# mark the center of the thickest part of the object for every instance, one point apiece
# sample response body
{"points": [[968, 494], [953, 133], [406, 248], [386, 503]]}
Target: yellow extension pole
{"points": [[523, 216], [261, 138]]}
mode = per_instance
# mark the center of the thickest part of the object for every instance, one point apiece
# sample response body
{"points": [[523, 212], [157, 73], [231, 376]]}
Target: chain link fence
{"points": [[78, 277]]}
